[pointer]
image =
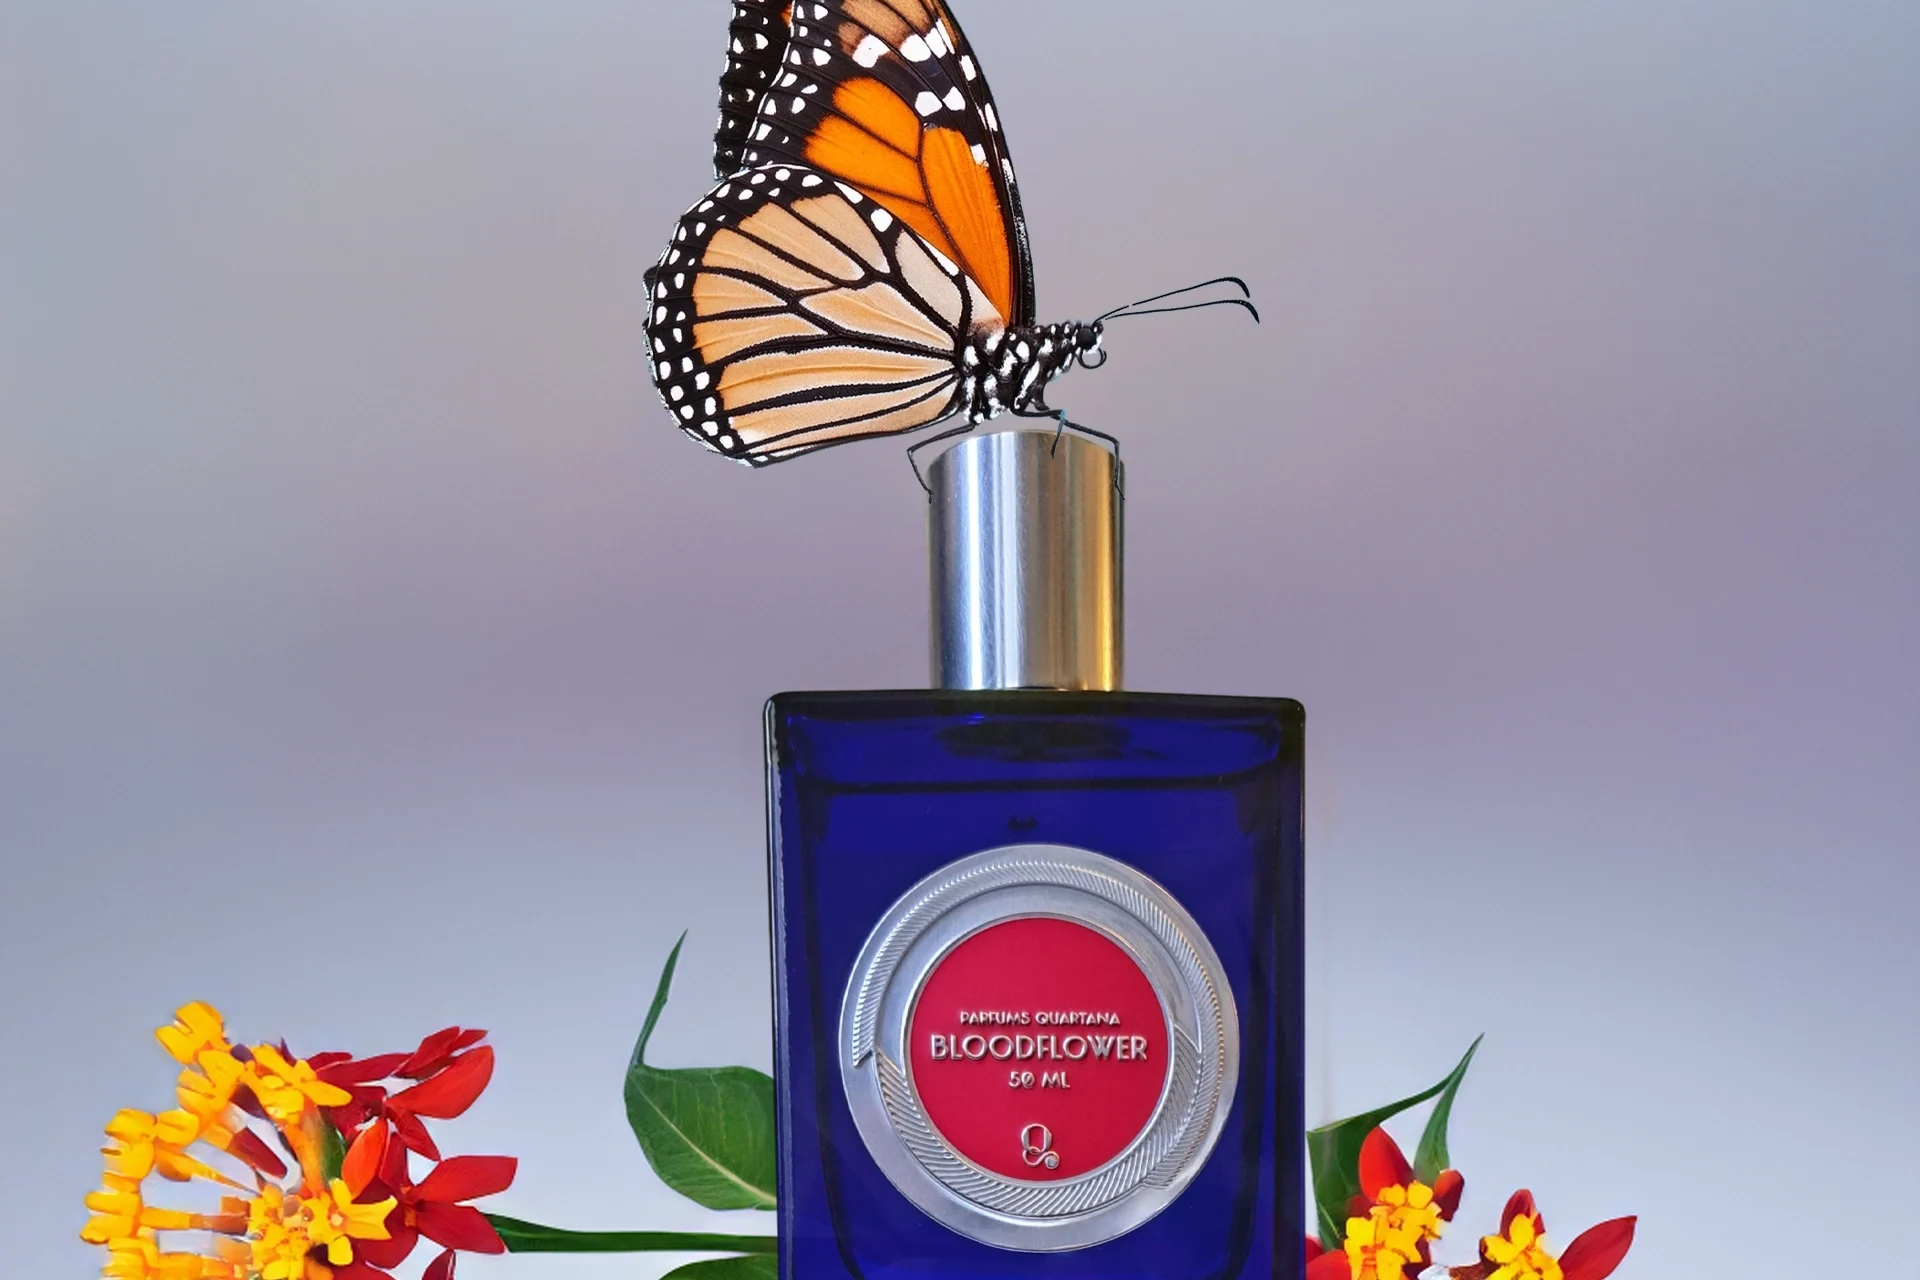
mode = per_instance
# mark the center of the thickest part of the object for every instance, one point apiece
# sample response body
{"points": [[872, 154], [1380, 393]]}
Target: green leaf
{"points": [[333, 1150], [1430, 1157], [755, 1267], [531, 1237], [1335, 1152], [707, 1131]]}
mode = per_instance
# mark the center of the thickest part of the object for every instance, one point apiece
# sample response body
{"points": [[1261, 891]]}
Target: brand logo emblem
{"points": [[1036, 1147], [1053, 995]]}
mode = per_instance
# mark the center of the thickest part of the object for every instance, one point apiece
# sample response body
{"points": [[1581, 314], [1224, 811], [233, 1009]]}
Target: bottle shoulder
{"points": [[902, 736], [881, 703]]}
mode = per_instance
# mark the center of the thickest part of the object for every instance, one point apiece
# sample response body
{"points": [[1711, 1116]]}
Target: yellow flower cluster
{"points": [[1521, 1253], [262, 1232], [1385, 1244]]}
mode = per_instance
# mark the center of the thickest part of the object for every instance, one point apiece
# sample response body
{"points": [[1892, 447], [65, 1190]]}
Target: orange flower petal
{"points": [[364, 1157]]}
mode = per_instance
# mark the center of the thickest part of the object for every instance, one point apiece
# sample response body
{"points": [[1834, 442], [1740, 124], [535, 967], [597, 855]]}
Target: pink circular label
{"points": [[1038, 1049]]}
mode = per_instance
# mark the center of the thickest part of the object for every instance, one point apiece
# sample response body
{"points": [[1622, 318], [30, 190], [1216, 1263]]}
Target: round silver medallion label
{"points": [[1039, 1047]]}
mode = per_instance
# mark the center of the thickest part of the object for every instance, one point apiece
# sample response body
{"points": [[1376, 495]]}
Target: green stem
{"points": [[531, 1237]]}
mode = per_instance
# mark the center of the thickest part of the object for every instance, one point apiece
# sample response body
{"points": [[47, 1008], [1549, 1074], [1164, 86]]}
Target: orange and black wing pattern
{"points": [[887, 97], [756, 42], [791, 312]]}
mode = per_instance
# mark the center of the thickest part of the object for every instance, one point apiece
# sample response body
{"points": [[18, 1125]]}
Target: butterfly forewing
{"points": [[756, 43], [791, 312], [887, 96]]}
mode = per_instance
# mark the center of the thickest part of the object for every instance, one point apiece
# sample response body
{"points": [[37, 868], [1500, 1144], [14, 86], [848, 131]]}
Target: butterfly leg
{"points": [[1060, 416], [913, 449]]}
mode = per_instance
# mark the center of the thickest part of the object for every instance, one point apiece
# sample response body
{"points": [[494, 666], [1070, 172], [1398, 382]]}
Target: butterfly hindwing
{"points": [[791, 312], [887, 96]]}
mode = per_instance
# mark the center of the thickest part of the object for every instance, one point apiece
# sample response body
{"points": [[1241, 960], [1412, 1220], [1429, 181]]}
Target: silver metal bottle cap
{"points": [[1025, 530]]}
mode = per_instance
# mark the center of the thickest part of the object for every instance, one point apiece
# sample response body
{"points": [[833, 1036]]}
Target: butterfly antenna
{"points": [[1132, 308], [1191, 306]]}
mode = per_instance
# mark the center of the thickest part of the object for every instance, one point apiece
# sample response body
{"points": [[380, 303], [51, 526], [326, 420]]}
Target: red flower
{"points": [[1397, 1217], [1383, 1165], [449, 1081], [376, 1167], [1520, 1249]]}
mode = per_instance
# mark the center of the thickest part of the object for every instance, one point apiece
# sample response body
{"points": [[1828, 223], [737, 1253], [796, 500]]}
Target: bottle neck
{"points": [[1025, 532]]}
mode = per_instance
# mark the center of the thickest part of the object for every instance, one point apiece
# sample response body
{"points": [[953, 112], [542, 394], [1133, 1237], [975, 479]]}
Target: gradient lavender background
{"points": [[373, 654]]}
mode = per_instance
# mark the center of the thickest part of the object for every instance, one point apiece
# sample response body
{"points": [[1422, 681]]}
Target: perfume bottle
{"points": [[1037, 941]]}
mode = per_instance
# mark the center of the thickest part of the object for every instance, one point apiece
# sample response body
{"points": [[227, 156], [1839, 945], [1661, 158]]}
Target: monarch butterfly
{"points": [[862, 268]]}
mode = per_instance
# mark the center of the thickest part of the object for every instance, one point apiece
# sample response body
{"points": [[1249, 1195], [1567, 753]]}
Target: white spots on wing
{"points": [[686, 364], [789, 80], [811, 180], [712, 405], [938, 42], [809, 89], [781, 175], [680, 280], [659, 347], [820, 13], [679, 336], [659, 315], [799, 104], [979, 154], [758, 179], [686, 412], [881, 221], [967, 68], [678, 393], [914, 49], [704, 381], [853, 197], [711, 428], [926, 104], [955, 99], [721, 194], [759, 40], [729, 442], [946, 36], [821, 57], [870, 50], [664, 369], [993, 121]]}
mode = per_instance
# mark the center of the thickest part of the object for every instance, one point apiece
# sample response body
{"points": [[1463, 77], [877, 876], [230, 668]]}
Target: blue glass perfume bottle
{"points": [[1037, 941]]}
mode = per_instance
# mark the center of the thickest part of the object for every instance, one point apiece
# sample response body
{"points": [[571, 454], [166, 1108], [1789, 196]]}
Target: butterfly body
{"points": [[1009, 369]]}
